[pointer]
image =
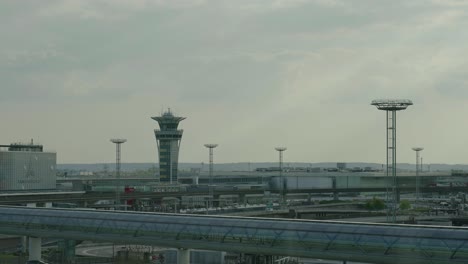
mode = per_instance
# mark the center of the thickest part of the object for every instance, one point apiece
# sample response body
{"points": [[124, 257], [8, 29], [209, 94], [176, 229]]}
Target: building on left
{"points": [[25, 167]]}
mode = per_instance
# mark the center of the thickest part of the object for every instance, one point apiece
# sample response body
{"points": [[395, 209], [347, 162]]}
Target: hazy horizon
{"points": [[246, 166]]}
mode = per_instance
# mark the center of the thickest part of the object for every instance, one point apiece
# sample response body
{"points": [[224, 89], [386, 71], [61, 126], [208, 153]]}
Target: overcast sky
{"points": [[249, 75]]}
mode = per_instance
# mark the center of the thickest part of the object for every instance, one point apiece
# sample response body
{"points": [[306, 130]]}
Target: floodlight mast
{"points": [[117, 142], [418, 179], [391, 106], [282, 187], [211, 192]]}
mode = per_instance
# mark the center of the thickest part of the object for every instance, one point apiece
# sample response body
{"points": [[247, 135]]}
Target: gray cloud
{"points": [[454, 85], [247, 74]]}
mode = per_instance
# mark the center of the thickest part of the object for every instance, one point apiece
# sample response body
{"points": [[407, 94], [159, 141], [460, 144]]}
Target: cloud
{"points": [[454, 85], [110, 9], [255, 72], [450, 3]]}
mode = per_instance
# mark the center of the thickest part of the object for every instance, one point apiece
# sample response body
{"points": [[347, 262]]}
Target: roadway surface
{"points": [[77, 196]]}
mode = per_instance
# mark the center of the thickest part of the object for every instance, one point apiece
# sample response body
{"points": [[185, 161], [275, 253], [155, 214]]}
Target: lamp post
{"points": [[418, 167], [281, 180], [391, 106], [117, 142], [211, 191]]}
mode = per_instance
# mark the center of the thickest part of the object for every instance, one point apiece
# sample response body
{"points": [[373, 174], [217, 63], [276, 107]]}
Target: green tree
{"points": [[405, 205], [375, 204]]}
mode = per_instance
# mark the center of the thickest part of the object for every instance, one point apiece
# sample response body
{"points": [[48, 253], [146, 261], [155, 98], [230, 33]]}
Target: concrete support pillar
{"points": [[335, 193], [216, 200], [223, 257], [35, 244], [24, 239], [48, 205], [82, 204], [242, 199], [24, 244], [183, 256]]}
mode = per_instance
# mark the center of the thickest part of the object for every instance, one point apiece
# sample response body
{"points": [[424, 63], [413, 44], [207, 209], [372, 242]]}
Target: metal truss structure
{"points": [[391, 106]]}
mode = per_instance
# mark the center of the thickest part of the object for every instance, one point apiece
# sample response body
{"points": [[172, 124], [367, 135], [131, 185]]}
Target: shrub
{"points": [[375, 204], [405, 205]]}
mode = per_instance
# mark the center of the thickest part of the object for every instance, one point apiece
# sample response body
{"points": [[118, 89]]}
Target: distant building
{"points": [[168, 140], [341, 165], [27, 167]]}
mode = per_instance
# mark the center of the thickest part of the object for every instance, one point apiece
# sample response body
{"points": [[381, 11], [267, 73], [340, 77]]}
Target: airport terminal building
{"points": [[27, 167]]}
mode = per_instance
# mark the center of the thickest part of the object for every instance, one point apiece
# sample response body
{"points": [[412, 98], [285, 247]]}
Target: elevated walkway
{"points": [[374, 243]]}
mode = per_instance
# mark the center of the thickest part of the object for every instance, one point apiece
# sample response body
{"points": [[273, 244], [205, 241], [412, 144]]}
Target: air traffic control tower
{"points": [[168, 141]]}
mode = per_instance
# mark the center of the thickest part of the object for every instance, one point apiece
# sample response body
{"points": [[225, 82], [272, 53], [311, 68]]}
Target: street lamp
{"points": [[282, 183], [117, 142], [391, 106], [211, 147], [418, 179]]}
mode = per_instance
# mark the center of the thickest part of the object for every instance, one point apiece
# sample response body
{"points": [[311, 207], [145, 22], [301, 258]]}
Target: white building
{"points": [[27, 167]]}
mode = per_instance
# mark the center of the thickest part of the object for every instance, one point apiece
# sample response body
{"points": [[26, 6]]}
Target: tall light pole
{"points": [[391, 106], [418, 167], [421, 165], [211, 147], [117, 142], [282, 187]]}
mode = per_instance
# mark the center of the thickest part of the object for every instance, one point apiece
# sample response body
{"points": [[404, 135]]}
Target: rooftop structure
{"points": [[168, 139], [23, 147]]}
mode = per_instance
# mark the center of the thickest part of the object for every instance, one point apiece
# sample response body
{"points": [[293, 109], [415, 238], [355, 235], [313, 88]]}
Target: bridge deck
{"points": [[18, 198], [376, 243]]}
